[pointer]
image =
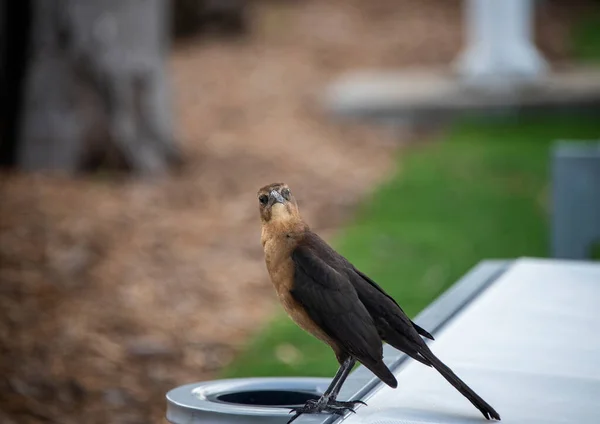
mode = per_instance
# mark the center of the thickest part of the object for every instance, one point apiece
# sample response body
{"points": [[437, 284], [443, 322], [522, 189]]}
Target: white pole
{"points": [[500, 47]]}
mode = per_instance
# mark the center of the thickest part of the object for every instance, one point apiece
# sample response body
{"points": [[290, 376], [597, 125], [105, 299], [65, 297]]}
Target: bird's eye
{"points": [[263, 199], [286, 193]]}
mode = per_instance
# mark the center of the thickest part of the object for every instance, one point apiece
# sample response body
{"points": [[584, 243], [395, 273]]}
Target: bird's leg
{"points": [[327, 402], [340, 377], [344, 372]]}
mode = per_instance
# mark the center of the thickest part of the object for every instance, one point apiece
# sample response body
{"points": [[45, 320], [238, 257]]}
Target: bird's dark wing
{"points": [[353, 310], [332, 303], [376, 286]]}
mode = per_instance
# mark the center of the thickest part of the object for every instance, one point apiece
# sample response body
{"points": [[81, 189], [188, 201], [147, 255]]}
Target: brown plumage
{"points": [[335, 302]]}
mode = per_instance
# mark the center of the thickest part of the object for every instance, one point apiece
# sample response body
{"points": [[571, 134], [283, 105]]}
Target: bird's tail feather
{"points": [[384, 373], [485, 408]]}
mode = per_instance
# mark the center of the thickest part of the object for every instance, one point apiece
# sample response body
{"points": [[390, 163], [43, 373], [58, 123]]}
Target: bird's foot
{"points": [[348, 405], [326, 405]]}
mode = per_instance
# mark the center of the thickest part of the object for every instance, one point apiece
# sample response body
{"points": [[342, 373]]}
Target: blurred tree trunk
{"points": [[96, 90]]}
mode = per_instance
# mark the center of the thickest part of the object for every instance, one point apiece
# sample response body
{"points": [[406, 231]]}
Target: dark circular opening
{"points": [[268, 398]]}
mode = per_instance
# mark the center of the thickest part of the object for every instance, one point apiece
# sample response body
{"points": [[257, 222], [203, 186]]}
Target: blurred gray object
{"points": [[96, 89], [575, 199], [426, 96], [500, 43], [243, 400], [520, 333]]}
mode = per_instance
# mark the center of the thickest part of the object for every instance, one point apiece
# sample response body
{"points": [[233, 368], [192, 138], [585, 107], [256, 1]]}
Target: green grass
{"points": [[586, 38], [482, 192]]}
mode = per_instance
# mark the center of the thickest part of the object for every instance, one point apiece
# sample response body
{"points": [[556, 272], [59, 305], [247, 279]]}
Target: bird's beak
{"points": [[275, 197]]}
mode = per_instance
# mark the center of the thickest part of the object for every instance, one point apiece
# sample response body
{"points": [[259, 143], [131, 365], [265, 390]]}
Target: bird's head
{"points": [[276, 203]]}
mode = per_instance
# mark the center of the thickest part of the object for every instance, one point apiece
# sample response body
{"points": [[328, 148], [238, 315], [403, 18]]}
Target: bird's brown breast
{"points": [[281, 269]]}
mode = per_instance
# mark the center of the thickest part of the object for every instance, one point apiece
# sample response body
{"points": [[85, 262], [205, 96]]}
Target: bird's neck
{"points": [[279, 239], [287, 229]]}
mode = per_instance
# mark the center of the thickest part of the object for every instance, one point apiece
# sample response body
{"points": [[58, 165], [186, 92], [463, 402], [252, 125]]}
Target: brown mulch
{"points": [[113, 292]]}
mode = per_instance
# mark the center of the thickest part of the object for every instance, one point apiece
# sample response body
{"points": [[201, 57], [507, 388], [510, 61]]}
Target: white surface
{"points": [[529, 345]]}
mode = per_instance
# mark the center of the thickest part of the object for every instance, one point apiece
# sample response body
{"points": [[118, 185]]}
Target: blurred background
{"points": [[134, 138]]}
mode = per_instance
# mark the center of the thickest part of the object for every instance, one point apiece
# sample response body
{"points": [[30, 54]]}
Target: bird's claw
{"points": [[325, 405], [350, 403]]}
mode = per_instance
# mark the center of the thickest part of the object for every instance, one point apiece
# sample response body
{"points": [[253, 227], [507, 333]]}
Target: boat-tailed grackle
{"points": [[335, 302]]}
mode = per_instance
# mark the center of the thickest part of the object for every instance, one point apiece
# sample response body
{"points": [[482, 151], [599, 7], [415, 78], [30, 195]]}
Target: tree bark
{"points": [[96, 90]]}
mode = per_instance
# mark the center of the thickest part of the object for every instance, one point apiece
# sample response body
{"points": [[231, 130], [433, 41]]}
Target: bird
{"points": [[328, 297]]}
